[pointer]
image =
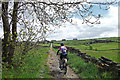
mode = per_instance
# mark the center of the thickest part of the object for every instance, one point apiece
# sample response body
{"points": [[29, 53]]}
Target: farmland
{"points": [[106, 49]]}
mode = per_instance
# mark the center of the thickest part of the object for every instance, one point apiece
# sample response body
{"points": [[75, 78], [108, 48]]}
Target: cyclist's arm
{"points": [[58, 52]]}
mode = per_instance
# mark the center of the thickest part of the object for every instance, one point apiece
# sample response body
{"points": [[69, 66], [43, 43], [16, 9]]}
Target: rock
{"points": [[104, 58]]}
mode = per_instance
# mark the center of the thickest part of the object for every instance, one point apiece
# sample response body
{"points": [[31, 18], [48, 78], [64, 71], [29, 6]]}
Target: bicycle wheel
{"points": [[65, 66]]}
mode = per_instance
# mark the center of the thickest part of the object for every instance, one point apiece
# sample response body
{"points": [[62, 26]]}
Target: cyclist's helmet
{"points": [[62, 44]]}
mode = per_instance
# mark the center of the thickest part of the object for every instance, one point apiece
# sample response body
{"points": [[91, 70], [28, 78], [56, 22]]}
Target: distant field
{"points": [[105, 46], [111, 38], [109, 50]]}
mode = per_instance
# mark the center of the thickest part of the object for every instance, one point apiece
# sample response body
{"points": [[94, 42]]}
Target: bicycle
{"points": [[64, 65]]}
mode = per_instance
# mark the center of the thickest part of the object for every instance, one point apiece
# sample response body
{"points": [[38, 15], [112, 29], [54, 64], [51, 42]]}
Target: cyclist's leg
{"points": [[61, 60], [66, 56]]}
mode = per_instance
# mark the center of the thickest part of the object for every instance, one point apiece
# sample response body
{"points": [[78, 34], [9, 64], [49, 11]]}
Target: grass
{"points": [[41, 44], [71, 42], [109, 50], [111, 38], [33, 66], [87, 70], [109, 54], [101, 51], [105, 46]]}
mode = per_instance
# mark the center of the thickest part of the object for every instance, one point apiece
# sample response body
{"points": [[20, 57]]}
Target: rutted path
{"points": [[53, 63]]}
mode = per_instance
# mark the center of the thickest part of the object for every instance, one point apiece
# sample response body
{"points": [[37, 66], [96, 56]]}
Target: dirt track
{"points": [[53, 63]]}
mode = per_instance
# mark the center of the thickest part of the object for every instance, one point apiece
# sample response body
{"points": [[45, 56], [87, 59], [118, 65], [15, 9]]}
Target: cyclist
{"points": [[63, 51]]}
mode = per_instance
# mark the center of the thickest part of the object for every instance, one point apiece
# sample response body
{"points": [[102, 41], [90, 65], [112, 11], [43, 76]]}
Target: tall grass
{"points": [[34, 65]]}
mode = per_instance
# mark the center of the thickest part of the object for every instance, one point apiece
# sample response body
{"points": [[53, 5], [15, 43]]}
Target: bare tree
{"points": [[35, 18]]}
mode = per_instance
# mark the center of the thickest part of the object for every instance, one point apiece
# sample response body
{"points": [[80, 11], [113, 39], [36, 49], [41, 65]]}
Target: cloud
{"points": [[107, 28], [103, 0]]}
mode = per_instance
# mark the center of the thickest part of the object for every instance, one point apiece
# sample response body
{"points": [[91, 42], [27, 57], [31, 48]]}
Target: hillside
{"points": [[107, 47]]}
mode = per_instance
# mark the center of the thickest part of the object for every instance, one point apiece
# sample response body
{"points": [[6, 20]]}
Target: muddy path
{"points": [[53, 63]]}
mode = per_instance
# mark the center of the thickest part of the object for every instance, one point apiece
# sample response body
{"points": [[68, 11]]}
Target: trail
{"points": [[53, 63]]}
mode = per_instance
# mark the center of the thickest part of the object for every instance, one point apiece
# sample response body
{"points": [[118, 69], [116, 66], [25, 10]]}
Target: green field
{"points": [[109, 50], [34, 65]]}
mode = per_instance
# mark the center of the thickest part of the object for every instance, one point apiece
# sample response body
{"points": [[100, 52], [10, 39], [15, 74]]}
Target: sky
{"points": [[107, 28]]}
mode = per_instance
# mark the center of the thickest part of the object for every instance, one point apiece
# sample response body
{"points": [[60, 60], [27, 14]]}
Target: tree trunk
{"points": [[14, 22], [8, 44], [14, 31], [6, 27]]}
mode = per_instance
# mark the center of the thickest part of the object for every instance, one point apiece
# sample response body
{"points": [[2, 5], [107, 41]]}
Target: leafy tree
{"points": [[35, 18]]}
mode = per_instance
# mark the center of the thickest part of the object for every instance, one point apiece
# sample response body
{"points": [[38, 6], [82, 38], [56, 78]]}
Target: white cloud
{"points": [[107, 28]]}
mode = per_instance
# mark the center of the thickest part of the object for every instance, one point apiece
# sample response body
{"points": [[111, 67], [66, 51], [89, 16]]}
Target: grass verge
{"points": [[34, 65], [87, 70]]}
